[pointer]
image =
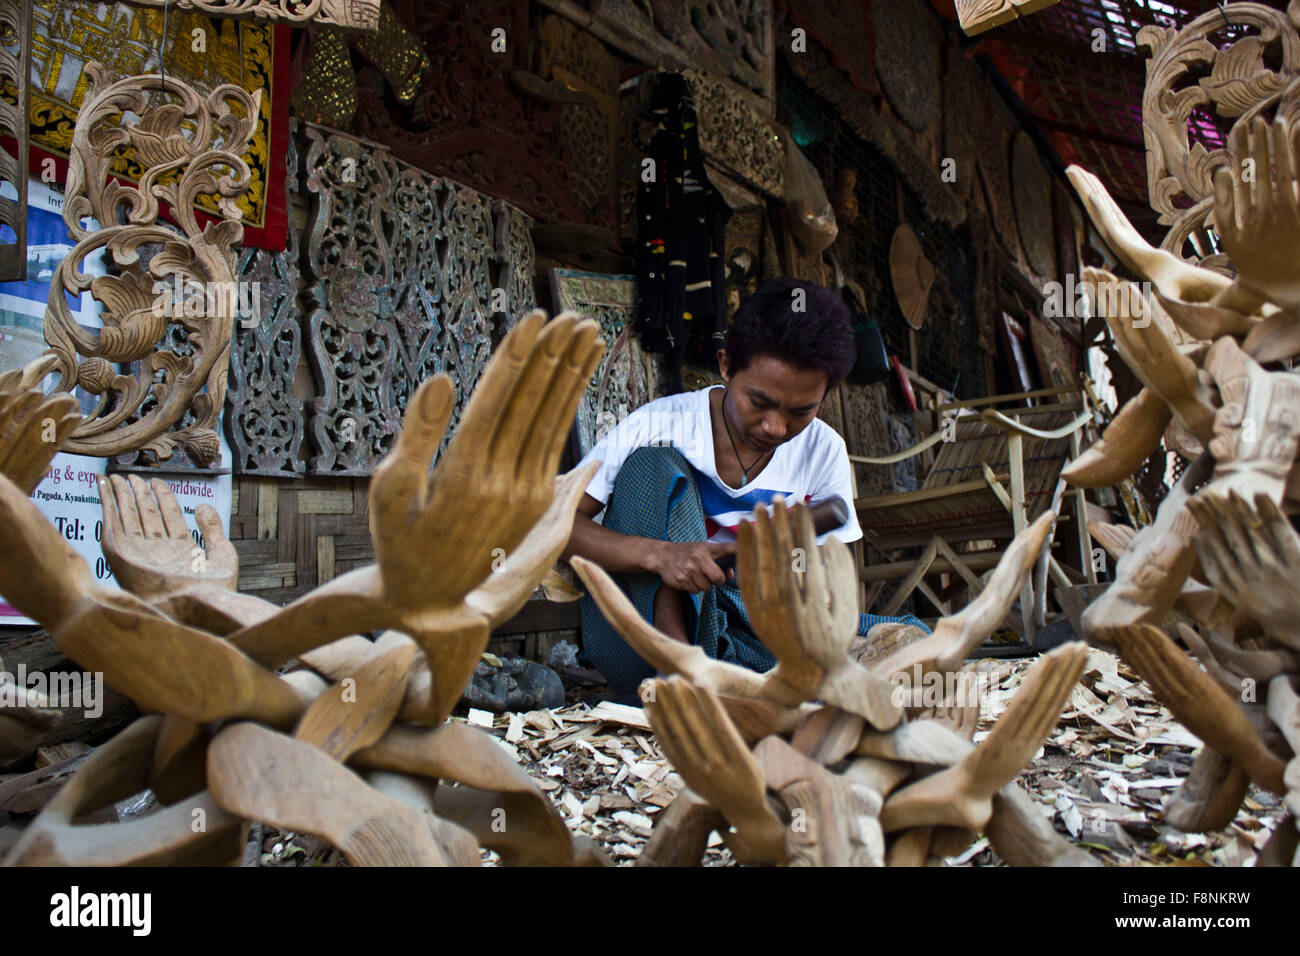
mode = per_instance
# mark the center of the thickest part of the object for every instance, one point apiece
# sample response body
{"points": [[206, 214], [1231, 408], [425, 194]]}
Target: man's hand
{"points": [[692, 566]]}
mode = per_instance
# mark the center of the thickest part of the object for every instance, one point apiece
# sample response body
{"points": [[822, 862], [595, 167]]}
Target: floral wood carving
{"points": [[264, 418], [736, 136], [186, 149], [466, 122], [15, 65], [1241, 84], [581, 63], [341, 14], [723, 37], [401, 266]]}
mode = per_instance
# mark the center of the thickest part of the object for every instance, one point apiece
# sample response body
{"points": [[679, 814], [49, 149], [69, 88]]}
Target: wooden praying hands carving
{"points": [[181, 642]]}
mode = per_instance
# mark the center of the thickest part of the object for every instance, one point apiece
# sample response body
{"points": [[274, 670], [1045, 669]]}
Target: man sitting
{"points": [[679, 474]]}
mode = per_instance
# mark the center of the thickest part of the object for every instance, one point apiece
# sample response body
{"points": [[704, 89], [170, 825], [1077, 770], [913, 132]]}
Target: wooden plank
{"points": [[267, 501], [980, 561], [325, 502], [920, 495], [277, 574], [542, 615], [324, 559], [913, 578], [944, 607]]}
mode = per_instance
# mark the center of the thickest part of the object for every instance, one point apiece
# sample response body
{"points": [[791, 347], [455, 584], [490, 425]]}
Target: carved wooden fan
{"points": [[912, 275]]}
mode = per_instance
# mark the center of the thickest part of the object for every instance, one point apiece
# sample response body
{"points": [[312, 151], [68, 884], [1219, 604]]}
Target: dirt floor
{"points": [[1102, 777]]}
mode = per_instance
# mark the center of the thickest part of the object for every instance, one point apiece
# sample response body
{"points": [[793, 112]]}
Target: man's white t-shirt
{"points": [[813, 466]]}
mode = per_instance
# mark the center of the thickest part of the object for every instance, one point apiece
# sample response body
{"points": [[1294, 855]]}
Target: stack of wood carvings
{"points": [[1216, 567], [351, 746], [824, 761]]}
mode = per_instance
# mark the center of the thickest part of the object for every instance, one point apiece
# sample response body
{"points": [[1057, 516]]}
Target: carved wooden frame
{"points": [[15, 16], [1180, 174], [339, 14], [176, 168]]}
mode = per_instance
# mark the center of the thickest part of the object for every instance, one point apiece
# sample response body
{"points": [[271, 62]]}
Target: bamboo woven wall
{"points": [[293, 534]]}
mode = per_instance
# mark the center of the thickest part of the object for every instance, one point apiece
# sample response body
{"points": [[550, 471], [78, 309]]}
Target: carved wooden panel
{"points": [[580, 62], [736, 136], [1196, 71], [515, 255], [729, 38], [465, 121], [15, 65], [627, 376], [264, 418], [179, 344], [977, 16], [907, 60], [342, 14], [400, 264], [1033, 203], [131, 41]]}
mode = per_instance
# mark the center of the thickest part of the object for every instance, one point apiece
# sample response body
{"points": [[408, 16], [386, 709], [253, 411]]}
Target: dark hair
{"points": [[820, 336]]}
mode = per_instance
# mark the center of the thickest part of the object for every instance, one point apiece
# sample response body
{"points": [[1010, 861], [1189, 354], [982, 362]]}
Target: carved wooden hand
{"points": [[1170, 274], [1199, 703], [802, 602], [258, 774], [148, 544], [1251, 555], [1258, 217], [436, 538], [707, 750], [961, 796], [32, 426], [661, 651]]}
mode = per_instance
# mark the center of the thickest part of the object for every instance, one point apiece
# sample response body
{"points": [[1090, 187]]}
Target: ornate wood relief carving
{"points": [[907, 60], [342, 14], [736, 136], [1033, 202], [977, 16], [627, 376], [581, 63], [187, 146], [1241, 84], [728, 38], [264, 418], [15, 65], [401, 269], [465, 121], [513, 241]]}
